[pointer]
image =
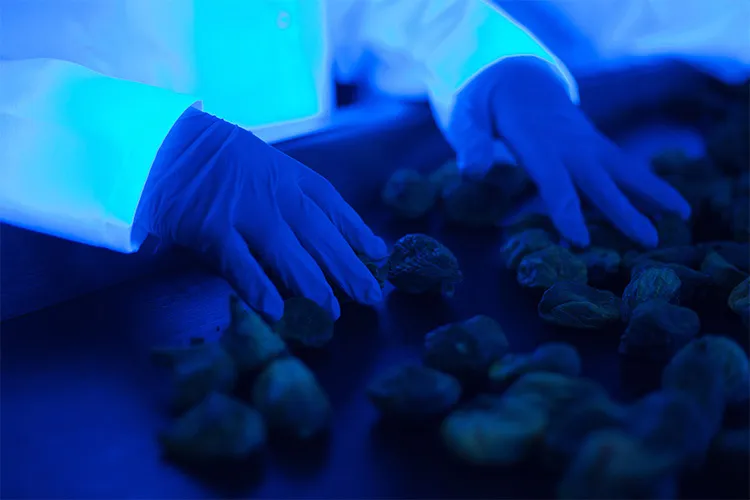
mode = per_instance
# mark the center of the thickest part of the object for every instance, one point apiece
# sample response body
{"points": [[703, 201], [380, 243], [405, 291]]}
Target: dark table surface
{"points": [[81, 403]]}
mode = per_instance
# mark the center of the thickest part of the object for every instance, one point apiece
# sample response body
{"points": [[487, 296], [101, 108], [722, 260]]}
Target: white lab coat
{"points": [[590, 36], [90, 88]]}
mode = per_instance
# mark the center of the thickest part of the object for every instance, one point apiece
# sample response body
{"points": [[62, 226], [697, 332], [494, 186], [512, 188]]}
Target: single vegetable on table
{"points": [[649, 284], [413, 392], [739, 302], [577, 305], [555, 357], [290, 399], [553, 264], [304, 322], [248, 339], [197, 370], [421, 264], [671, 423], [466, 349], [614, 464], [504, 434], [218, 428], [658, 329], [520, 244]]}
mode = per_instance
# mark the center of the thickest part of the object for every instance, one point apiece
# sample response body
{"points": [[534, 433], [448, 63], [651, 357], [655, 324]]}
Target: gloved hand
{"points": [[246, 207], [523, 102]]}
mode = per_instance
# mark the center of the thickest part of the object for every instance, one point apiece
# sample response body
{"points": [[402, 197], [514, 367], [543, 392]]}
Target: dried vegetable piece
{"points": [[249, 339], [421, 264], [724, 275], [602, 264], [556, 357], [658, 329], [466, 349], [577, 305], [521, 244], [504, 435], [290, 399], [650, 284], [612, 464], [413, 392], [197, 370], [218, 428], [553, 264], [739, 302], [305, 322]]}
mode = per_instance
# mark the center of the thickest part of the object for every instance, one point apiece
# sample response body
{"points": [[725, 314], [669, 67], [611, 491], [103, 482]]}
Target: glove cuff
{"points": [[171, 172]]}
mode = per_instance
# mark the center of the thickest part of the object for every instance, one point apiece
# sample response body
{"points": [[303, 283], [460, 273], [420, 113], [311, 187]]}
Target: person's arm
{"points": [[445, 42], [76, 148]]}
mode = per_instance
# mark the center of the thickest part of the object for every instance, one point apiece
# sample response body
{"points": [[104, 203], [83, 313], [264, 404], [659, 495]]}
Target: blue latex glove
{"points": [[522, 101], [246, 207]]}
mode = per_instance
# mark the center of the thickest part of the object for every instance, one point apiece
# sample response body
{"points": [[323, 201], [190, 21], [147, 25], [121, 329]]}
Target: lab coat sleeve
{"points": [[76, 148], [445, 42]]}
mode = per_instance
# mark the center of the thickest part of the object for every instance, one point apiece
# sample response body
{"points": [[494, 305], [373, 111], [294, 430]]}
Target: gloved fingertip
{"points": [[374, 293], [573, 227], [648, 236], [475, 163], [334, 308], [579, 237], [272, 306], [684, 210], [377, 249]]}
